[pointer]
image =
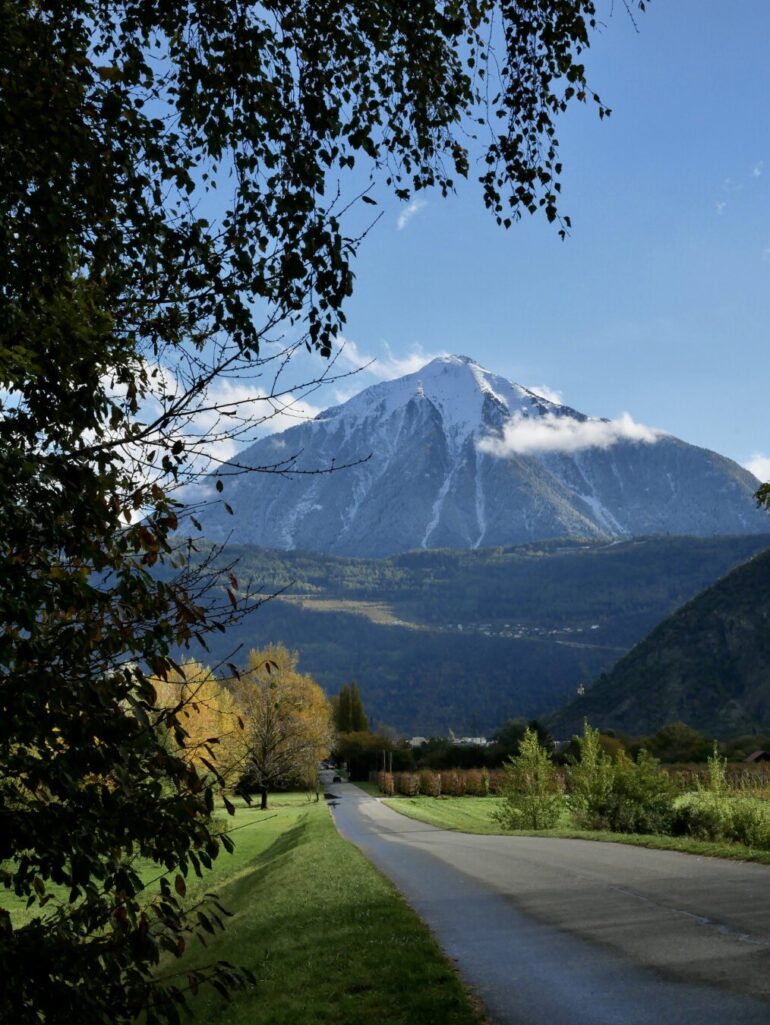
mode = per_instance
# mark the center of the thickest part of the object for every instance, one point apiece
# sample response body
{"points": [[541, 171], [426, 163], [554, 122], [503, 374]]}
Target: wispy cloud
{"points": [[545, 392], [759, 465], [529, 435], [387, 367], [720, 207], [758, 168], [268, 414], [409, 212]]}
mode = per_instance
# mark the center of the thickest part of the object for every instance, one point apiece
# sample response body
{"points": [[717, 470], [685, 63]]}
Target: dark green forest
{"points": [[467, 639], [708, 665]]}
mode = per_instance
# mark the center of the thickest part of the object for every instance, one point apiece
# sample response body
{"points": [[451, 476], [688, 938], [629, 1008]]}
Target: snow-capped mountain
{"points": [[456, 456]]}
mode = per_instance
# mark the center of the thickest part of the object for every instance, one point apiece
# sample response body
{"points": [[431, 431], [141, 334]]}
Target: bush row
{"points": [[449, 783]]}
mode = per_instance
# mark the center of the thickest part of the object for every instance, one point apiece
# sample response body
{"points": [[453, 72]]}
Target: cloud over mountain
{"points": [[522, 435]]}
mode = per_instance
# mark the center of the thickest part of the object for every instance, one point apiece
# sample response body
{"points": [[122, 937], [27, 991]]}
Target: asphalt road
{"points": [[572, 932]]}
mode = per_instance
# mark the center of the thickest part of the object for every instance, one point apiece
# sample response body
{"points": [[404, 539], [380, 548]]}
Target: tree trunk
{"points": [[263, 792]]}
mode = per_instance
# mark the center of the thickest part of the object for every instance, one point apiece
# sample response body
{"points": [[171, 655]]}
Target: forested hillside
{"points": [[707, 665], [464, 639]]}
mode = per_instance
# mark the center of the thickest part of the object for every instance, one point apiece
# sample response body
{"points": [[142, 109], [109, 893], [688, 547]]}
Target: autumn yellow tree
{"points": [[214, 737], [288, 721]]}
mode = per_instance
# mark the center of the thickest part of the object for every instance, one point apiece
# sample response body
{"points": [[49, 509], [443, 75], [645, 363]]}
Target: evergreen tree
{"points": [[344, 717], [359, 722]]}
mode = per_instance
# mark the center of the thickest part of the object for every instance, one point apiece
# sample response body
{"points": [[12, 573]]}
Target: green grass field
{"points": [[466, 814], [475, 815], [327, 937], [253, 832]]}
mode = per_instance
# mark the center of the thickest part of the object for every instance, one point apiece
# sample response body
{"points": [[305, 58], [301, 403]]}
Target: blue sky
{"points": [[659, 302]]}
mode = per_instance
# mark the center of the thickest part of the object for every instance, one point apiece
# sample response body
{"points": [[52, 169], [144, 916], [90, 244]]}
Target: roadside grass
{"points": [[465, 814], [474, 815], [369, 788], [328, 938]]}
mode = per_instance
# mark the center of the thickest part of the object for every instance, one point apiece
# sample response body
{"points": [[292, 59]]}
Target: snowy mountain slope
{"points": [[456, 456]]}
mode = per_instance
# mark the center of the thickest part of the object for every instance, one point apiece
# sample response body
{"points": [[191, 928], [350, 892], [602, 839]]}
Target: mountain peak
{"points": [[429, 463], [462, 392], [457, 360]]}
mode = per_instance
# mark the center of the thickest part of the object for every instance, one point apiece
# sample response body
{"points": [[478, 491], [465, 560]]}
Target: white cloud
{"points": [[758, 168], [408, 213], [550, 394], [266, 414], [720, 207], [525, 435], [389, 367], [759, 465]]}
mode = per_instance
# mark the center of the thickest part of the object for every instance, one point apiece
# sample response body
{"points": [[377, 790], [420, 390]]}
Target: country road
{"points": [[573, 932]]}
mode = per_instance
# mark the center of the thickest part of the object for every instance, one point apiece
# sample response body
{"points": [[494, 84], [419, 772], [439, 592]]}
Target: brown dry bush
{"points": [[430, 783]]}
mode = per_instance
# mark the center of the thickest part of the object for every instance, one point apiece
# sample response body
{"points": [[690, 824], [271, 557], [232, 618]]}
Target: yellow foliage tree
{"points": [[288, 720], [210, 716]]}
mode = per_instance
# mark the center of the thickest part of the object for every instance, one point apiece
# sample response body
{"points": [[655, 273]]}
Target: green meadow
{"points": [[327, 937]]}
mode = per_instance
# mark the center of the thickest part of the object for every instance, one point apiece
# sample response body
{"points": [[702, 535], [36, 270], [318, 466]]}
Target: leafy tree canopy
{"points": [[287, 722], [171, 211]]}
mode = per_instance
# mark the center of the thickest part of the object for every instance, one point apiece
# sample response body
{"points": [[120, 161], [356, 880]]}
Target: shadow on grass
{"points": [[329, 941]]}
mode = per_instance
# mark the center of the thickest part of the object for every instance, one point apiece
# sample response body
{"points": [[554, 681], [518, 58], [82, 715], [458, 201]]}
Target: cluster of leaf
{"points": [[265, 728], [126, 289], [287, 720], [532, 793], [619, 793]]}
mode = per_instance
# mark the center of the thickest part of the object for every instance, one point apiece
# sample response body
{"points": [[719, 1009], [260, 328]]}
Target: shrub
{"points": [[711, 813], [590, 782], [477, 782], [386, 783], [453, 783], [532, 793], [642, 796], [751, 822], [704, 815], [408, 783], [707, 814], [430, 783]]}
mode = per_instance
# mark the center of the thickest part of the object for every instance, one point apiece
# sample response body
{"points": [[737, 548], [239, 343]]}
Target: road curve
{"points": [[572, 932]]}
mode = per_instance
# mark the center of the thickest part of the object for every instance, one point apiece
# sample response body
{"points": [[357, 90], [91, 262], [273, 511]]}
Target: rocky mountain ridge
{"points": [[454, 456]]}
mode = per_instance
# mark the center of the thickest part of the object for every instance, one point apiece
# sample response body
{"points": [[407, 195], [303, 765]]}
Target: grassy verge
{"points": [[474, 815], [253, 832], [327, 937], [369, 788]]}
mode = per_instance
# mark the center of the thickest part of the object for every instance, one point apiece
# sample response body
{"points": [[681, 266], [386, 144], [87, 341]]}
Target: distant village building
{"points": [[478, 741], [418, 741], [757, 756]]}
